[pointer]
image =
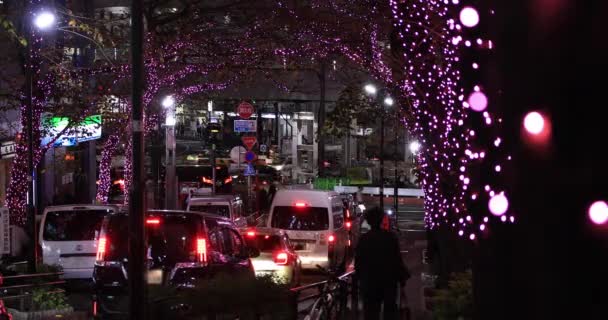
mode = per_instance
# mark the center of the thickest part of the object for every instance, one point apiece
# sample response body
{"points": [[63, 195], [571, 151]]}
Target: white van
{"points": [[225, 205], [314, 223], [68, 237]]}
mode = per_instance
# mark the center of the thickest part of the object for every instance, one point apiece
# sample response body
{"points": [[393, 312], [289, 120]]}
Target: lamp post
{"points": [[168, 104], [383, 100], [42, 20]]}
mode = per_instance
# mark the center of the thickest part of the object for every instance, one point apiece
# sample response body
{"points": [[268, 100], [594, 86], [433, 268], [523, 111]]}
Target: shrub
{"points": [[49, 299], [456, 301]]}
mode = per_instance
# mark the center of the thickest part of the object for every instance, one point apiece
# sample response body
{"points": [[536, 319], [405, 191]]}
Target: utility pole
{"points": [[381, 194], [321, 123], [137, 269], [31, 181]]}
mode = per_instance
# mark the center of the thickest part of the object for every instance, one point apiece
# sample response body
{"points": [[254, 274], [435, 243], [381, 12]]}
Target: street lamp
{"points": [[43, 20], [384, 101], [370, 89], [414, 147], [168, 104]]}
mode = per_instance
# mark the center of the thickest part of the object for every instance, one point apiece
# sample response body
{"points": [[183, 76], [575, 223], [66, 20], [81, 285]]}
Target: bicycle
{"points": [[329, 305]]}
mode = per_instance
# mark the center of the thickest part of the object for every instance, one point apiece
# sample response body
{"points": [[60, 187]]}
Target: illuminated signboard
{"points": [[87, 129]]}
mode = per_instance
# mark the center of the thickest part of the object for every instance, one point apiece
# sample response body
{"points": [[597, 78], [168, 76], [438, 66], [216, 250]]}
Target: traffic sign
{"points": [[249, 141], [245, 110], [263, 148], [237, 154], [250, 156], [249, 171], [245, 126]]}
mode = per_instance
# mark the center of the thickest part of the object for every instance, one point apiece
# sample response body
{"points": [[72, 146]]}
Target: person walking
{"points": [[379, 268]]}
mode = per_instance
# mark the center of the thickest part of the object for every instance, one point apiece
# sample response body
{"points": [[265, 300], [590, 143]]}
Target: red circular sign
{"points": [[245, 110]]}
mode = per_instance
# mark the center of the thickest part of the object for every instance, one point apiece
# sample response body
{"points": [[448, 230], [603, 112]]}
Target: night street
{"points": [[303, 159]]}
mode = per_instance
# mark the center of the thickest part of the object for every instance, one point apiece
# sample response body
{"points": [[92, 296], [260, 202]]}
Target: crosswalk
{"points": [[410, 217]]}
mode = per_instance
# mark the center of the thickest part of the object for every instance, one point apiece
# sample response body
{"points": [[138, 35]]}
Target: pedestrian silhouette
{"points": [[380, 268]]}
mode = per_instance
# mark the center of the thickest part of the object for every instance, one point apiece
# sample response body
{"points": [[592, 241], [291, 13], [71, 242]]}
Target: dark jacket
{"points": [[378, 260]]}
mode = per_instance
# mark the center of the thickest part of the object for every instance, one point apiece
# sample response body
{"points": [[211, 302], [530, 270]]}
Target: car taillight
{"points": [[101, 249], [251, 233], [227, 180], [331, 239], [153, 221], [300, 204], [348, 225], [201, 250], [281, 258], [206, 180]]}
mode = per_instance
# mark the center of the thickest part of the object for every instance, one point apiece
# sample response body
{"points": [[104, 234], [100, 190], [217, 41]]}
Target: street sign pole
{"points": [[213, 168]]}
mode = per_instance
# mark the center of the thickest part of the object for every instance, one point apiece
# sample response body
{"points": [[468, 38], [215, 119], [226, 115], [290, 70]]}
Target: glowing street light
{"points": [[414, 147], [370, 89], [168, 102], [388, 101], [44, 20]]}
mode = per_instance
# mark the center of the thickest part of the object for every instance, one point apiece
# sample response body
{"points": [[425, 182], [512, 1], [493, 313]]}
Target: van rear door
{"points": [[68, 235], [308, 230]]}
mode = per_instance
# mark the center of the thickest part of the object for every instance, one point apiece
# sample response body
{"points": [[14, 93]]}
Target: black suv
{"points": [[183, 247]]}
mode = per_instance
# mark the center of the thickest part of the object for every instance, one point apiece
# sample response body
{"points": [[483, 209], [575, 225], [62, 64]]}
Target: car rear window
{"points": [[264, 243], [172, 240], [300, 218], [73, 225], [220, 210]]}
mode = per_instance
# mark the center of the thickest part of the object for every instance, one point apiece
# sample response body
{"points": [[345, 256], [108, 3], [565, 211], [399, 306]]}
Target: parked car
{"points": [[225, 205], [67, 237], [183, 247], [277, 256], [314, 222]]}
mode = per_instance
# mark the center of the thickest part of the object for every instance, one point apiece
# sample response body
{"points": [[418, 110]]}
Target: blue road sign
{"points": [[249, 156], [249, 171], [245, 126]]}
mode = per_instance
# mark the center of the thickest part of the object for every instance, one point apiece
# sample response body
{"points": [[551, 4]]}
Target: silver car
{"points": [[277, 257]]}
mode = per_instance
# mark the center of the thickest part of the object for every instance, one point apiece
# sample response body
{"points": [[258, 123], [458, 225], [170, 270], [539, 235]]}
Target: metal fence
{"points": [[20, 287], [345, 288]]}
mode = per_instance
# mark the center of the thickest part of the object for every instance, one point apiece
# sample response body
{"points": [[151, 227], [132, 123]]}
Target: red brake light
{"points": [[228, 180], [101, 249], [348, 224], [207, 180], [300, 204], [251, 234], [153, 221], [331, 239], [281, 258], [201, 250]]}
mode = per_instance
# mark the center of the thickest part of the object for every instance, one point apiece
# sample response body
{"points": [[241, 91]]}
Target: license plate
{"points": [[155, 276]]}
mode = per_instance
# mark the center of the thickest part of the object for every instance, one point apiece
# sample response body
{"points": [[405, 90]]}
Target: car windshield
{"points": [[300, 218], [220, 210], [73, 225], [172, 239], [264, 243]]}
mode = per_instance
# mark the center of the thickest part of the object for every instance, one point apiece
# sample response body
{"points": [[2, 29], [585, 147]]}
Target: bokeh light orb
{"points": [[469, 17], [534, 123], [478, 101], [598, 212], [498, 204]]}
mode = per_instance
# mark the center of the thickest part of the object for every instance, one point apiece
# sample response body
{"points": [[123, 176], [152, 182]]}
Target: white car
{"points": [[68, 237], [314, 222], [225, 205]]}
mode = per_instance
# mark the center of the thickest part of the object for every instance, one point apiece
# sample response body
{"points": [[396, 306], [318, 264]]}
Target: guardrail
{"points": [[347, 287], [24, 284], [388, 191]]}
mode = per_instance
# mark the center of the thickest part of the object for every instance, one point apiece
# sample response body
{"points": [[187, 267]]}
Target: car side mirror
{"points": [[252, 252]]}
